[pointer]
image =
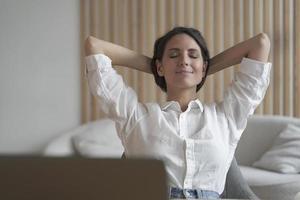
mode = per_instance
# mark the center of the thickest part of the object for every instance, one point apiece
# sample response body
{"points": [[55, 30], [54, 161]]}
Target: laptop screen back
{"points": [[82, 179]]}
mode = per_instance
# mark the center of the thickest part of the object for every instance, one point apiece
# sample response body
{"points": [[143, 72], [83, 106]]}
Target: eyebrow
{"points": [[177, 49]]}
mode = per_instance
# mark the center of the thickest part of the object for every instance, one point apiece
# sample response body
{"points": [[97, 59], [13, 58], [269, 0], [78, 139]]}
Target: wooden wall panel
{"points": [[137, 23], [208, 34], [296, 58], [228, 33], [268, 28], [86, 106], [218, 47], [278, 57], [288, 57]]}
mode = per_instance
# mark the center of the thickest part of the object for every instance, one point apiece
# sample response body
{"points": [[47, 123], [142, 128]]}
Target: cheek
{"points": [[168, 65], [199, 67], [168, 62]]}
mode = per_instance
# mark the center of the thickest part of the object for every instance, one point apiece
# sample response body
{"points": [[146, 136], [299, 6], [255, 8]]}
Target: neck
{"points": [[183, 97]]}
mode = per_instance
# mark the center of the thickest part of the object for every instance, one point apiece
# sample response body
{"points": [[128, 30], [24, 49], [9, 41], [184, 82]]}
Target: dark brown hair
{"points": [[159, 48]]}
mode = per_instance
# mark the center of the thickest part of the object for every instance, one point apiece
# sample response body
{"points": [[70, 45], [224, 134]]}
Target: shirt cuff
{"points": [[255, 68], [97, 61]]}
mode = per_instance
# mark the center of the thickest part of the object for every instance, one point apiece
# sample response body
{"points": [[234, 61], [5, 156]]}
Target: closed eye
{"points": [[194, 56], [194, 53], [173, 54]]}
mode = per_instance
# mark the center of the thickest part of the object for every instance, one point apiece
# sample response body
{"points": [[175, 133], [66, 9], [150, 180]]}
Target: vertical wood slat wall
{"points": [[137, 23]]}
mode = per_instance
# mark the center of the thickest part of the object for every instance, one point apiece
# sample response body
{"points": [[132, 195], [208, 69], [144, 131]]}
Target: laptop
{"points": [[41, 178]]}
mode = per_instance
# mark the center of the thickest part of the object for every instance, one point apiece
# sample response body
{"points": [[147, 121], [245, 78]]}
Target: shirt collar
{"points": [[174, 105]]}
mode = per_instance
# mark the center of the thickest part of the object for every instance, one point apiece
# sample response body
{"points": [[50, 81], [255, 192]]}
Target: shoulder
{"points": [[153, 106], [215, 111]]}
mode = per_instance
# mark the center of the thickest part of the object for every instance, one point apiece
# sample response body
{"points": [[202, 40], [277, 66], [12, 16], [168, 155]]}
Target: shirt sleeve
{"points": [[118, 101], [244, 94]]}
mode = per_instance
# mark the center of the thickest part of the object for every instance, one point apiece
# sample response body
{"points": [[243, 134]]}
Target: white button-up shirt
{"points": [[197, 145]]}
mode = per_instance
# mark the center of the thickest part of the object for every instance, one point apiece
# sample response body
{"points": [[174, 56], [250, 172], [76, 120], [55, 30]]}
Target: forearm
{"points": [[118, 54], [257, 48]]}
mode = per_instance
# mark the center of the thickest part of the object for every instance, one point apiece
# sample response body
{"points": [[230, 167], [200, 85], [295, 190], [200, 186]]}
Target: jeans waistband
{"points": [[175, 192]]}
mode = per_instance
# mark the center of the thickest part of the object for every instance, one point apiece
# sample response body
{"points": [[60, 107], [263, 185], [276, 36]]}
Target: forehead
{"points": [[182, 41]]}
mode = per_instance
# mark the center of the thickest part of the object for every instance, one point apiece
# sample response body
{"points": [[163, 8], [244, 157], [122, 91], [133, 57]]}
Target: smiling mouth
{"points": [[184, 72]]}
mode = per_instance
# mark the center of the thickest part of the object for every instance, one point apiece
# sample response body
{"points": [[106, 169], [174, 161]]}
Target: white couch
{"points": [[99, 139], [259, 137]]}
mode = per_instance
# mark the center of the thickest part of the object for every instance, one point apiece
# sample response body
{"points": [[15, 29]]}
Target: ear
{"points": [[159, 68], [204, 68]]}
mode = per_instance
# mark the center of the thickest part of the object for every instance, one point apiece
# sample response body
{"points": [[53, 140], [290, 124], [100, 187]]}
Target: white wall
{"points": [[39, 72]]}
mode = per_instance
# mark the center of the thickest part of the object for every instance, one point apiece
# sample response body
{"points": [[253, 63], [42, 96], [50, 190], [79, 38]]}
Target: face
{"points": [[182, 64]]}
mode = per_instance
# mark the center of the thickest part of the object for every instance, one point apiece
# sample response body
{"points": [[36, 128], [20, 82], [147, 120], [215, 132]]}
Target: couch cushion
{"points": [[261, 132], [62, 145], [283, 191], [93, 139], [260, 177], [284, 155], [98, 139]]}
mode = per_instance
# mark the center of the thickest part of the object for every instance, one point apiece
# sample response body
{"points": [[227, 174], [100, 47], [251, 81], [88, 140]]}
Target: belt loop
{"points": [[197, 192], [170, 192]]}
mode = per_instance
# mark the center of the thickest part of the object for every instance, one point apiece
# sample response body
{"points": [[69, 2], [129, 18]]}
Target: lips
{"points": [[184, 72]]}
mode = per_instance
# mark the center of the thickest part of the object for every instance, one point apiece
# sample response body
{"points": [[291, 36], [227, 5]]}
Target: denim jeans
{"points": [[177, 193]]}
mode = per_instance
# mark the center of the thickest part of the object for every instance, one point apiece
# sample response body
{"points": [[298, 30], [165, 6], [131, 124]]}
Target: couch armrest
{"points": [[61, 146], [259, 135]]}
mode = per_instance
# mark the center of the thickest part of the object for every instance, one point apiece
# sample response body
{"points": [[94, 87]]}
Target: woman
{"points": [[195, 141]]}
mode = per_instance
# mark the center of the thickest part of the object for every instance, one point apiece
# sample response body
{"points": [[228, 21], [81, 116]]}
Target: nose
{"points": [[184, 60]]}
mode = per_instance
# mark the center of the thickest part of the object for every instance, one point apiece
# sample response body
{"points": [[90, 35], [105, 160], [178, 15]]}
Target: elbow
{"points": [[91, 46], [264, 41], [261, 48]]}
